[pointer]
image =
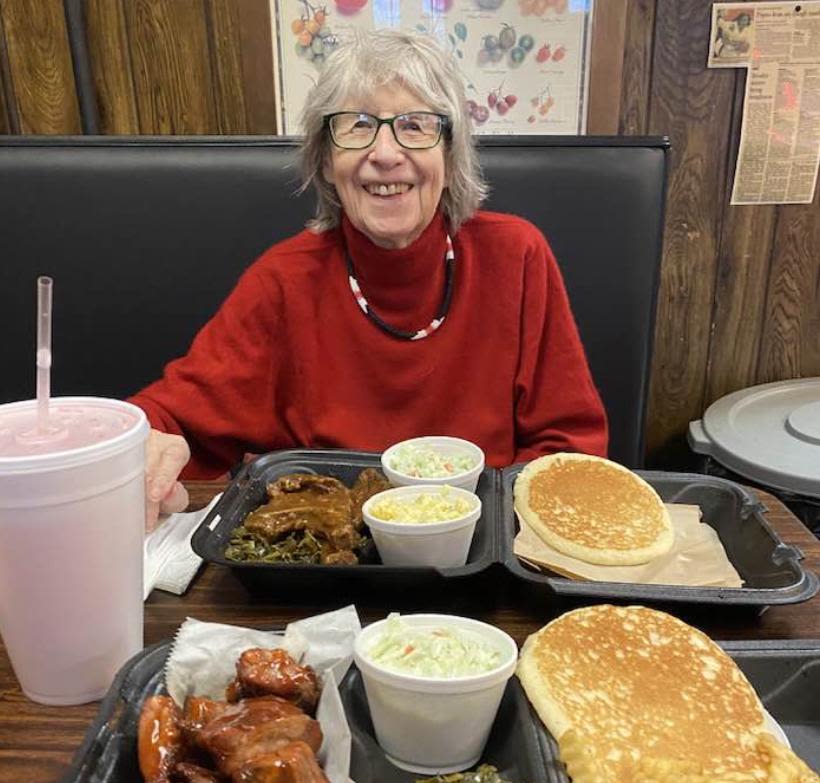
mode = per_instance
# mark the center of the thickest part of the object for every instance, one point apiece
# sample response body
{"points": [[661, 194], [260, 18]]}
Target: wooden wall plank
{"points": [[742, 279], [172, 73], [257, 65], [606, 66], [683, 105], [111, 66], [5, 126], [5, 120], [637, 67], [39, 61], [226, 66], [790, 345], [8, 117]]}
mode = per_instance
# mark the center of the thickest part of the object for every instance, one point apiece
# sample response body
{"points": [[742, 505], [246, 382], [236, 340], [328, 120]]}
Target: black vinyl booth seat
{"points": [[145, 236]]}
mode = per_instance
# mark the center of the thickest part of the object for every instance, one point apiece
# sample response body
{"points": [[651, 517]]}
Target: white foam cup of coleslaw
{"points": [[434, 459], [424, 525], [434, 683]]}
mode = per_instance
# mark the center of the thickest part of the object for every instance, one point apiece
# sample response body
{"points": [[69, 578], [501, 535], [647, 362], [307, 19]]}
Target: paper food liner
{"points": [[697, 557], [203, 662]]}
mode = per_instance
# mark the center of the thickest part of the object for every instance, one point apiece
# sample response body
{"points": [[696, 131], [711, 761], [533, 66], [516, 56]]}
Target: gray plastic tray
{"points": [[247, 492], [771, 570], [786, 675]]}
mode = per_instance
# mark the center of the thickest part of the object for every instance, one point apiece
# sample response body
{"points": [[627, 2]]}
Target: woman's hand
{"points": [[165, 456]]}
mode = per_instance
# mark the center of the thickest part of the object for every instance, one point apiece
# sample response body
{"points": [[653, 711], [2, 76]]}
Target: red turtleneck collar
{"points": [[404, 286]]}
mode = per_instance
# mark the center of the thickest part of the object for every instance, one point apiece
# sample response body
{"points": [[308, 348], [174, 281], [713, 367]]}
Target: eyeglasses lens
{"points": [[418, 130]]}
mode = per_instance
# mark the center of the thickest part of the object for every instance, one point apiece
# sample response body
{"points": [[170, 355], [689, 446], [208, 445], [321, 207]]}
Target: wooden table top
{"points": [[37, 743]]}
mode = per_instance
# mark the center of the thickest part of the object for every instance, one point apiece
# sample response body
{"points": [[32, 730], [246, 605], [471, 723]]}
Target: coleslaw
{"points": [[439, 652], [425, 462]]}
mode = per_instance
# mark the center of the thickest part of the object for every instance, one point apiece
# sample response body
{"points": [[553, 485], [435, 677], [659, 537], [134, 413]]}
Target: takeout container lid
{"points": [[771, 569], [443, 444], [768, 433], [80, 456]]}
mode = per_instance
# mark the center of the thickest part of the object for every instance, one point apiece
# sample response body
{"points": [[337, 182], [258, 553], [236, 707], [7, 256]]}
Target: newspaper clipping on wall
{"points": [[525, 63], [779, 44]]}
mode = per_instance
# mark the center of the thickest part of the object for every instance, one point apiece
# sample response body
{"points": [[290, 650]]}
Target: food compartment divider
{"points": [[786, 676], [771, 570]]}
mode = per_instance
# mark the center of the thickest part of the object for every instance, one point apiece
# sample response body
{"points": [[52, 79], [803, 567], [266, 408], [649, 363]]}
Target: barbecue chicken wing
{"points": [[264, 737], [159, 738], [233, 742], [292, 763], [262, 672], [185, 772]]}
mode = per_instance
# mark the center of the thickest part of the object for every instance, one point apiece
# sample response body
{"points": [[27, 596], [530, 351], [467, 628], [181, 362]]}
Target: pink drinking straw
{"points": [[44, 285]]}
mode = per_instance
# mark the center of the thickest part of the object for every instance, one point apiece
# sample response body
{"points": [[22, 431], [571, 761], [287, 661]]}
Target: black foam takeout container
{"points": [[771, 570], [785, 674], [247, 492]]}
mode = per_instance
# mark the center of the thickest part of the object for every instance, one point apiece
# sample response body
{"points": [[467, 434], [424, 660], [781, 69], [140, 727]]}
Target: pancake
{"points": [[593, 509], [630, 692]]}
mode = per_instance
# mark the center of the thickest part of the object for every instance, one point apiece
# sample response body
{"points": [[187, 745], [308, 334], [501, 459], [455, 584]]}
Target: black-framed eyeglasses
{"points": [[416, 130]]}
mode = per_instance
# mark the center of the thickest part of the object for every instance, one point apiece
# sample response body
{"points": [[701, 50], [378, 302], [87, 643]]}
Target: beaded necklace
{"points": [[449, 264]]}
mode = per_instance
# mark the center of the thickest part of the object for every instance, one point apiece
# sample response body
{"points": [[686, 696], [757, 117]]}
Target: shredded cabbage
{"points": [[425, 462], [432, 652], [431, 507]]}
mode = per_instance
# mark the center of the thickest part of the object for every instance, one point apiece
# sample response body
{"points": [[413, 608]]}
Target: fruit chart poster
{"points": [[525, 63]]}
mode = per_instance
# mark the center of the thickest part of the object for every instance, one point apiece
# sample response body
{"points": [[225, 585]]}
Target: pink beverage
{"points": [[72, 515]]}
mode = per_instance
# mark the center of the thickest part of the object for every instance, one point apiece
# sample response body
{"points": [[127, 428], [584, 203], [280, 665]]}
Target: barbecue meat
{"points": [[320, 504], [292, 763], [261, 672], [198, 710], [185, 772], [159, 738], [303, 501], [368, 483], [265, 737], [234, 743]]}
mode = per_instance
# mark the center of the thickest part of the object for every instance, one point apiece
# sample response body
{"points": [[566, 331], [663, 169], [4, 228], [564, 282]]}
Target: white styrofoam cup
{"points": [[431, 725], [440, 544], [71, 547], [446, 446]]}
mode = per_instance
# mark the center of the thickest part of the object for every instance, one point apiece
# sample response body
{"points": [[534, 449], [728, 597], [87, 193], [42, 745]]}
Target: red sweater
{"points": [[290, 360]]}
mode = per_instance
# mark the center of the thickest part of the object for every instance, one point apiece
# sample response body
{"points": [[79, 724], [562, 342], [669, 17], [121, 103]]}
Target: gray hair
{"points": [[362, 64]]}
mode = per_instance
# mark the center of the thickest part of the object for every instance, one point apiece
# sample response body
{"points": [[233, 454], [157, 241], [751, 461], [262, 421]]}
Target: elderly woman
{"points": [[400, 311]]}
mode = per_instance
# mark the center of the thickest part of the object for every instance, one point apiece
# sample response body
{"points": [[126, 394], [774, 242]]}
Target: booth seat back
{"points": [[144, 238]]}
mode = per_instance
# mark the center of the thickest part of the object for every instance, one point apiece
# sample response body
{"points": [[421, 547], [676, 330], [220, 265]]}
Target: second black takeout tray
{"points": [[247, 492], [785, 674], [771, 570]]}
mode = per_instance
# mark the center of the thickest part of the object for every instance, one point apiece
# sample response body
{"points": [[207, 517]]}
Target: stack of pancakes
{"points": [[634, 694], [593, 509]]}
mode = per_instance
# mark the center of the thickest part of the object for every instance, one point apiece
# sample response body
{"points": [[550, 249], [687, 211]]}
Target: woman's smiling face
{"points": [[415, 179]]}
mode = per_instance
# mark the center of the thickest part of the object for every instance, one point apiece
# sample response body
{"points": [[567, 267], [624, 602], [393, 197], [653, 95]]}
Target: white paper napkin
{"points": [[169, 562]]}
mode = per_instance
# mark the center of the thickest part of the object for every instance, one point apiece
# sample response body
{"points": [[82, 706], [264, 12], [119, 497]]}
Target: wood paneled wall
{"points": [[158, 66], [739, 302]]}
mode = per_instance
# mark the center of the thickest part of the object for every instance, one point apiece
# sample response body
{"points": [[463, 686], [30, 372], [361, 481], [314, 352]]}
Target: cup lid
{"points": [[768, 433]]}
